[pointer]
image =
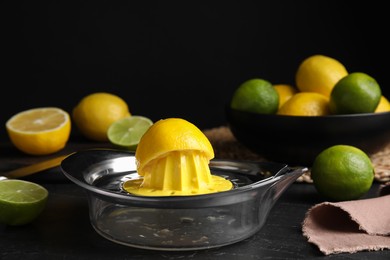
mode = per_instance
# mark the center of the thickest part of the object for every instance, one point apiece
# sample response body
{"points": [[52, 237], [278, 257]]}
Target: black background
{"points": [[177, 58]]}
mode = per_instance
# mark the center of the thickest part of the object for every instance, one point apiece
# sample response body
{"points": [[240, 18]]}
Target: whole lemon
{"points": [[305, 104], [94, 114], [285, 92], [383, 106], [319, 73]]}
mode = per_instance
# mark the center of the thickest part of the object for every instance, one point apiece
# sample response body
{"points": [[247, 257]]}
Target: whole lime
{"points": [[355, 93], [342, 172], [257, 96]]}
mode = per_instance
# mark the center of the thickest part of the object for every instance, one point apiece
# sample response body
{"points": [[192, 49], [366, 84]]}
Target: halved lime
{"points": [[21, 201], [127, 132]]}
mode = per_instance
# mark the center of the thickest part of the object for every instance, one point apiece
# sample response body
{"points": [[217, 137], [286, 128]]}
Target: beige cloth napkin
{"points": [[349, 226]]}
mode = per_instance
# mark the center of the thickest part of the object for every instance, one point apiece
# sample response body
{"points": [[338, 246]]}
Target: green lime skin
{"points": [[256, 96], [355, 93], [342, 172]]}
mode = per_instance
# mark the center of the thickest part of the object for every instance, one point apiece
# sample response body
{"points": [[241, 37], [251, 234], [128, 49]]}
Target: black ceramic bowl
{"points": [[297, 140]]}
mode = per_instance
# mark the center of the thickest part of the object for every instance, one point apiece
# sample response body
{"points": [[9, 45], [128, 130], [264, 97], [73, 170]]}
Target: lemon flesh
{"points": [[21, 201], [173, 160]]}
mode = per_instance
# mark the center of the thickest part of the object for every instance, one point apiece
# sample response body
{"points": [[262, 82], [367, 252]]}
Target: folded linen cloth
{"points": [[349, 226]]}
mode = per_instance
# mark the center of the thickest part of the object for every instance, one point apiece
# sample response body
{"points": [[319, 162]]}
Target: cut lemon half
{"points": [[21, 201], [127, 132], [39, 131], [171, 134], [173, 159]]}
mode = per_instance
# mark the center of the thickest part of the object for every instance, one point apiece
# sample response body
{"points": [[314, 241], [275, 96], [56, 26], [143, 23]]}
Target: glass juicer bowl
{"points": [[176, 223]]}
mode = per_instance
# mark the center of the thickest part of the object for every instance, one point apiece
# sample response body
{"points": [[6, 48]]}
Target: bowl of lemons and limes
{"points": [[327, 106]]}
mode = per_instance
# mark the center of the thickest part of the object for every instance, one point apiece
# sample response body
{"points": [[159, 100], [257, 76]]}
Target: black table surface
{"points": [[63, 230]]}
